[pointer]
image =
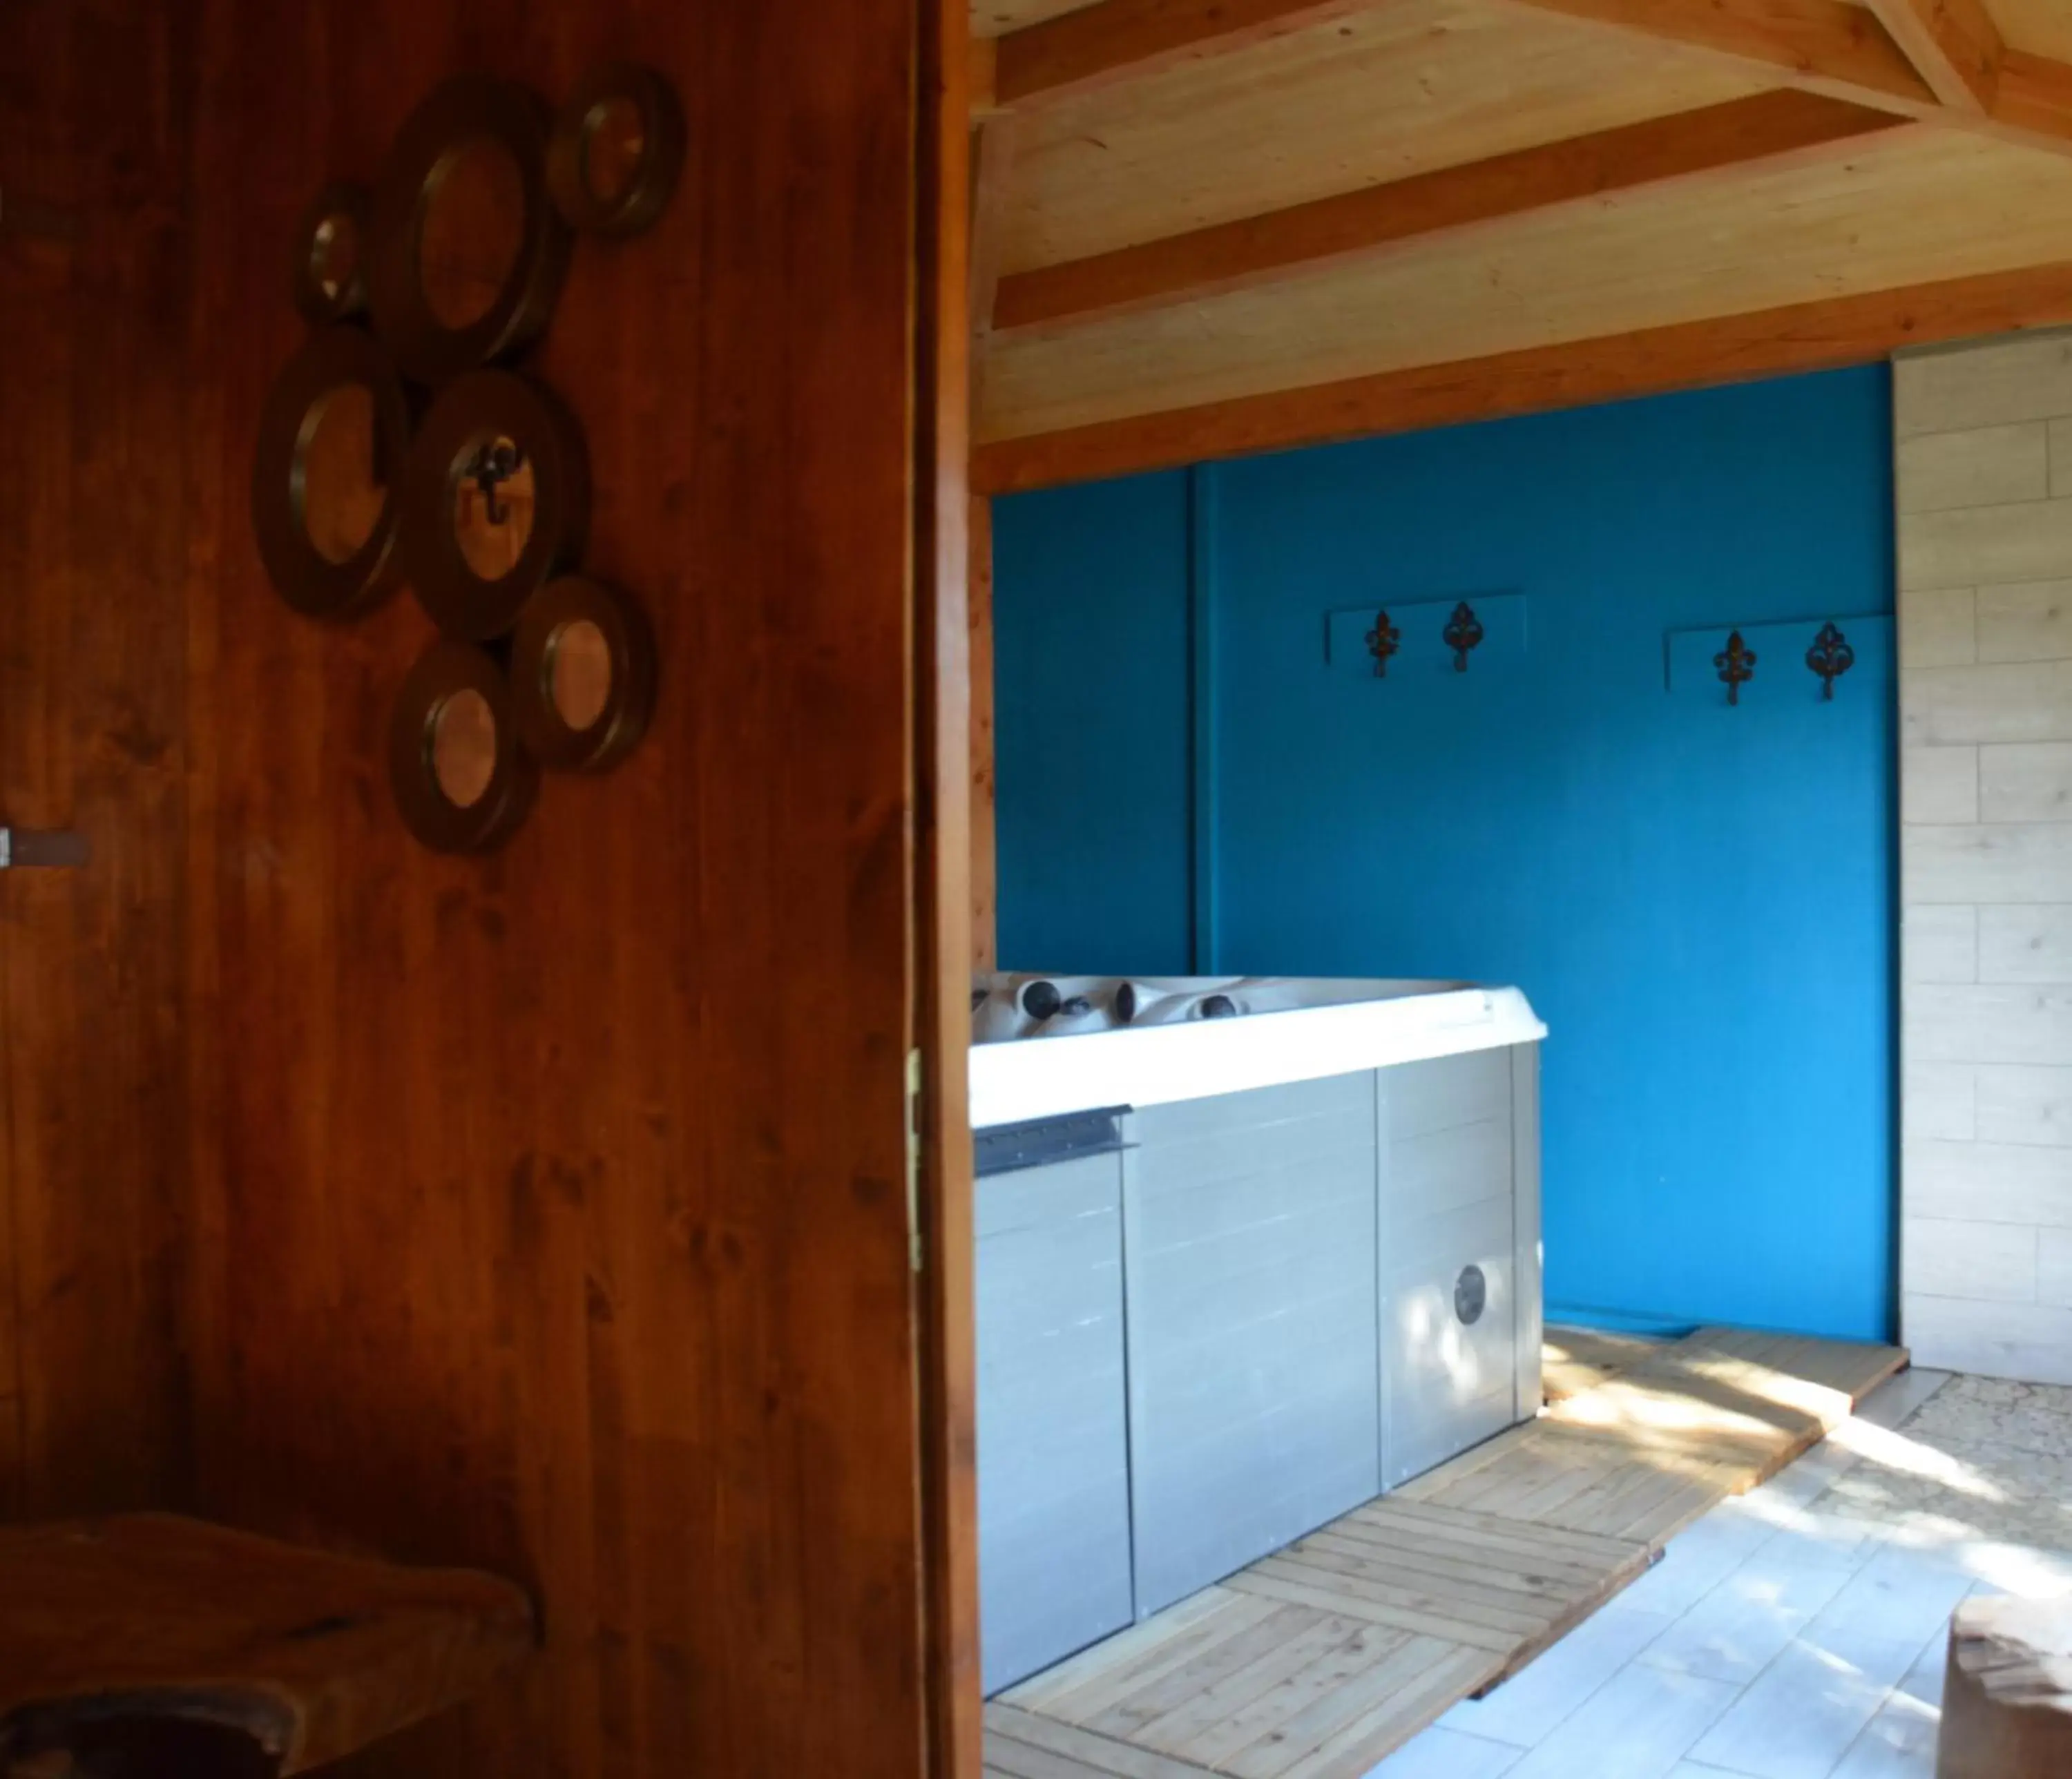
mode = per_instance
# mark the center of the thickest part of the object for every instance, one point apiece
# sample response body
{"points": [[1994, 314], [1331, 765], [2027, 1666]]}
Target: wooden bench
{"points": [[148, 1646]]}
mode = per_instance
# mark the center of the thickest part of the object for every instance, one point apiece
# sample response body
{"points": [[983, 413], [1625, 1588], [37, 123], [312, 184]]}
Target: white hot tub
{"points": [[1151, 1041], [1250, 1252]]}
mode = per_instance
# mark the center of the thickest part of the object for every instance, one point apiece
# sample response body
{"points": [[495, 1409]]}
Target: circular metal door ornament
{"points": [[582, 675], [488, 433], [342, 580], [461, 779], [329, 275], [617, 150], [464, 114], [1470, 1295]]}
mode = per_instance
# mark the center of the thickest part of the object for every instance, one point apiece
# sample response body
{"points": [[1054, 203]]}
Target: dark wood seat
{"points": [[153, 1647]]}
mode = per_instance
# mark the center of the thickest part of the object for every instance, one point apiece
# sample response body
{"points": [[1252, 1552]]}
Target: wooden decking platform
{"points": [[1317, 1661], [1576, 1359]]}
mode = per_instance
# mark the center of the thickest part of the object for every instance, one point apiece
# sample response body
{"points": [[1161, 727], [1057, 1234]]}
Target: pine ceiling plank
{"points": [[1261, 249], [1832, 41], [2034, 94], [1818, 335], [1906, 207], [1122, 39], [1840, 46], [1845, 49], [995, 17], [992, 169], [2043, 27], [1381, 96], [1953, 44]]}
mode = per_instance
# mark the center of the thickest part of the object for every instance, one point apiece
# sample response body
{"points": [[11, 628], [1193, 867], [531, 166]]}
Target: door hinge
{"points": [[916, 1247], [18, 848]]}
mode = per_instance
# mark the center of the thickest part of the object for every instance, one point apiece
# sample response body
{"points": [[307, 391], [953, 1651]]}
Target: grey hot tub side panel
{"points": [[1249, 1223], [1447, 1162], [1528, 1266], [1053, 1441]]}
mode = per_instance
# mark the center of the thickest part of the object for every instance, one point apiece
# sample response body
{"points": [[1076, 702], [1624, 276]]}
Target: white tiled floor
{"points": [[1780, 1637]]}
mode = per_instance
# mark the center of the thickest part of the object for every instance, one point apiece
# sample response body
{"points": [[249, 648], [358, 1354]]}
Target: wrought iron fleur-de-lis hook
{"points": [[1831, 657], [1464, 632], [1382, 642], [1736, 666]]}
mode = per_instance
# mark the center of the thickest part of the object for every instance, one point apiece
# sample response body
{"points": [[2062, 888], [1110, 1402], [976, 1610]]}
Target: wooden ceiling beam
{"points": [[1125, 39], [1260, 250], [1829, 46], [991, 172], [1820, 335], [1845, 51], [2034, 96], [1954, 46]]}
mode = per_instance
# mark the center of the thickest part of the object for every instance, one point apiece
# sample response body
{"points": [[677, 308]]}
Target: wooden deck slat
{"points": [[1324, 1635], [1361, 1653], [1548, 1543], [1347, 1601], [1009, 1729], [1018, 1760], [1378, 1692], [1453, 1602], [1099, 1691], [1580, 1358], [1173, 1689], [1317, 1661], [1043, 1691], [1378, 1733], [1446, 1567]]}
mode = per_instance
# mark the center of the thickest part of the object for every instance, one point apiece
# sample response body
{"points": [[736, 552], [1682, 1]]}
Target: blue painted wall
{"points": [[1698, 899], [1091, 747]]}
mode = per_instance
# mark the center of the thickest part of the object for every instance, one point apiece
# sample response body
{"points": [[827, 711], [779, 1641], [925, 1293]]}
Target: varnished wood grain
{"points": [[552, 1210], [985, 862], [1801, 337], [93, 541], [1284, 243], [314, 1655], [945, 249]]}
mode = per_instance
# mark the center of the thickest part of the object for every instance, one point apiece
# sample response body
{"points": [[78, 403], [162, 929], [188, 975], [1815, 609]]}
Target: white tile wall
{"points": [[1984, 461], [2011, 1104], [2002, 383], [1945, 1022], [1989, 466], [1940, 629], [2020, 782], [1939, 944], [1940, 1100], [1983, 863], [2025, 623]]}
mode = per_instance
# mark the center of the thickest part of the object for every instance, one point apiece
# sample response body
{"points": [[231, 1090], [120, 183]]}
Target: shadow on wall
{"points": [[1698, 897]]}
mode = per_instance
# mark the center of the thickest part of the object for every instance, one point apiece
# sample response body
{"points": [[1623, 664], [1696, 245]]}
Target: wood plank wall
{"points": [[548, 1212], [94, 544], [553, 1211]]}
